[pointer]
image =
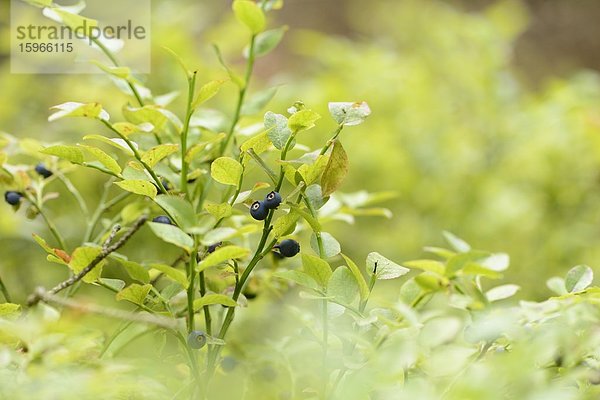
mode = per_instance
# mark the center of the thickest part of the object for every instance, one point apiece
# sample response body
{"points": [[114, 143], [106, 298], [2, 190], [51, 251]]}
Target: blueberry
{"points": [[43, 171], [272, 200], [288, 247], [196, 339], [165, 184], [228, 363], [258, 210], [213, 247], [162, 219], [13, 198]]}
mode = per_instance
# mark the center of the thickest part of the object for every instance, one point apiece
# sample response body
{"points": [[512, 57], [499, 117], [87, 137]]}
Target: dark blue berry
{"points": [[13, 198], [213, 247], [43, 171], [162, 219], [258, 210], [196, 339], [288, 247], [272, 200], [165, 184], [228, 363]]}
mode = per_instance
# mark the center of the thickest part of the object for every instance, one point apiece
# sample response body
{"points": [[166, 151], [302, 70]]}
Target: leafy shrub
{"points": [[196, 185]]}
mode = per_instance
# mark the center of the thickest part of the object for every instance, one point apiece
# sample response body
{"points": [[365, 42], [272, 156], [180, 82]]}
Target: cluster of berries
{"points": [[13, 197]]}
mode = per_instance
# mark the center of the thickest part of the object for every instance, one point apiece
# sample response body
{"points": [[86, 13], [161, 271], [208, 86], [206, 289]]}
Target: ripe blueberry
{"points": [[272, 200], [213, 247], [13, 198], [196, 339], [43, 171], [228, 363], [288, 247], [165, 184], [258, 210], [162, 219]]}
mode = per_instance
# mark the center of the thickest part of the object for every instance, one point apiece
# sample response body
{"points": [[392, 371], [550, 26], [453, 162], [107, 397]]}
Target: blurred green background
{"points": [[486, 121]]}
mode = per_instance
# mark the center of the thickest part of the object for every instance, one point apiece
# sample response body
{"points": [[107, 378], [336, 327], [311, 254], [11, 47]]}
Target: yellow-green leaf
{"points": [[175, 274], [209, 299], [226, 170], [207, 91], [73, 109], [134, 293], [104, 159], [222, 254], [335, 171], [138, 186], [82, 257], [218, 211], [249, 14], [172, 234], [157, 153], [316, 268], [70, 153]]}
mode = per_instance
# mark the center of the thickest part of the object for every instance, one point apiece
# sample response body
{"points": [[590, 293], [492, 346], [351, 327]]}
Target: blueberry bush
{"points": [[249, 295]]}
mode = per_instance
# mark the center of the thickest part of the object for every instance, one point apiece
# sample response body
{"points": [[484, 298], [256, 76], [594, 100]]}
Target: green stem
{"points": [[184, 132], [191, 273], [76, 194], [103, 206], [113, 59], [206, 308], [137, 156], [241, 96], [336, 133], [4, 291], [49, 223]]}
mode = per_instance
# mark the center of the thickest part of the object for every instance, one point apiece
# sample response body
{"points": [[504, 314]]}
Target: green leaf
{"points": [[172, 234], [138, 186], [258, 101], [218, 211], [316, 268], [221, 255], [385, 269], [157, 153], [303, 120], [119, 72], [312, 172], [116, 284], [249, 14], [457, 243], [134, 293], [82, 257], [266, 41], [73, 109], [363, 289], [43, 244], [502, 292], [134, 270], [477, 269], [115, 142], [207, 91], [342, 286], [349, 114], [209, 299], [462, 260], [578, 278], [427, 265], [557, 285], [9, 309], [104, 159], [331, 246], [179, 209], [335, 171], [173, 273], [299, 277], [430, 281], [70, 153], [151, 114], [277, 129], [285, 224], [226, 170]]}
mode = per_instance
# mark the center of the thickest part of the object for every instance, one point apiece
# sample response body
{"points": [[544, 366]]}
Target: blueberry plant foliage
{"points": [[246, 207]]}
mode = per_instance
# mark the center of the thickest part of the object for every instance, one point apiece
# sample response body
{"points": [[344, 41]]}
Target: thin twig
{"points": [[106, 250], [47, 297]]}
